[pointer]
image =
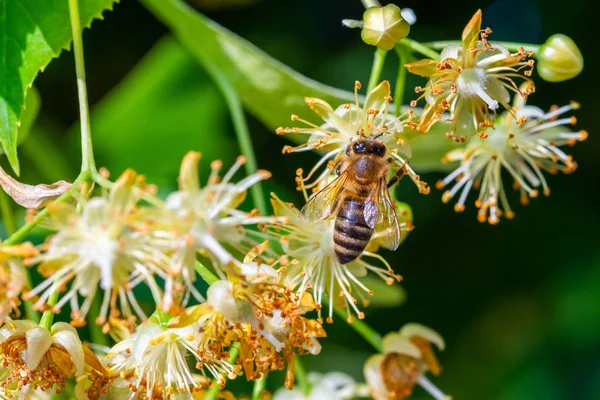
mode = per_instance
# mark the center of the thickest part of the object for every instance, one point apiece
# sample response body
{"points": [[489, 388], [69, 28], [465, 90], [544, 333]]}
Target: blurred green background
{"points": [[518, 303]]}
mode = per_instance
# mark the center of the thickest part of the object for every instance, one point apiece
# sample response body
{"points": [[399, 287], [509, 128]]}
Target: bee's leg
{"points": [[397, 176]]}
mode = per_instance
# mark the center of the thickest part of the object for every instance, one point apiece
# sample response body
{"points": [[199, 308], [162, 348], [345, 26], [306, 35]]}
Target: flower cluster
{"points": [[523, 149], [34, 359], [251, 313], [406, 357], [126, 237], [115, 242], [270, 276], [470, 80], [478, 76], [343, 126], [314, 266]]}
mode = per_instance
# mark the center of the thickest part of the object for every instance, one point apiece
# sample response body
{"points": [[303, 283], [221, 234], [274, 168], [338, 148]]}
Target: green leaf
{"points": [[32, 33], [270, 90], [31, 109]]}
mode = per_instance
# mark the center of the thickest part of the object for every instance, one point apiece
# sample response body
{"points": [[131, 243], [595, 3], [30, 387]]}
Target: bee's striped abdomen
{"points": [[351, 233]]}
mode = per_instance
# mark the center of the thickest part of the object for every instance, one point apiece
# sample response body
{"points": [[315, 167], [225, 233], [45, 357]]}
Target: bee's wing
{"points": [[380, 213], [325, 202]]}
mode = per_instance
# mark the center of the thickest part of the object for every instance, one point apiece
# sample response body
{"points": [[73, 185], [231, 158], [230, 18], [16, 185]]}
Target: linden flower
{"points": [[25, 392], [13, 278], [469, 81], [153, 361], [315, 266], [206, 220], [34, 358], [279, 329], [407, 356], [523, 149], [344, 125], [329, 386], [97, 249], [265, 318]]}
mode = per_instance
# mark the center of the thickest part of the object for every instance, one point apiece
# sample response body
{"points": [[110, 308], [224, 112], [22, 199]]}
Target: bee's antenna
{"points": [[378, 135]]}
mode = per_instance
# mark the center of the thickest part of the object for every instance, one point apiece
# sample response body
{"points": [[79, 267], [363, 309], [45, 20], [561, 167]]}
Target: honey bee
{"points": [[360, 198]]}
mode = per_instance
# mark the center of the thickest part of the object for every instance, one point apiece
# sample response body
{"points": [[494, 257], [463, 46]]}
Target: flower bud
{"points": [[559, 59], [384, 26]]}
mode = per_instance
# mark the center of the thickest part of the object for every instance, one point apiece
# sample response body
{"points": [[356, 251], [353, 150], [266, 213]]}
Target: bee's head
{"points": [[367, 145]]}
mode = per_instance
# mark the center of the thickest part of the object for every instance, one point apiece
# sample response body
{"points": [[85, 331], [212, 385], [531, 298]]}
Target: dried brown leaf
{"points": [[30, 196]]}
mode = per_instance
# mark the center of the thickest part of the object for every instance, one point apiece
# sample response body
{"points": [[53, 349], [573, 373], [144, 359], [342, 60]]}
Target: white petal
{"points": [[12, 327], [374, 377], [39, 341], [70, 341], [409, 15], [413, 329], [451, 52], [220, 296], [62, 326], [396, 343], [146, 333]]}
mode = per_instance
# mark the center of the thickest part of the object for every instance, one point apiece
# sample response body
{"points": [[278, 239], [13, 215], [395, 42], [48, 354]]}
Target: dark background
{"points": [[518, 303]]}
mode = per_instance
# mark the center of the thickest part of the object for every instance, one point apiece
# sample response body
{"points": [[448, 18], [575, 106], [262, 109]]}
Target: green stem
{"points": [[364, 330], [511, 46], [378, 62], [206, 273], [234, 352], [370, 3], [241, 131], [259, 387], [301, 376], [87, 151], [7, 213], [401, 80], [48, 315], [419, 48]]}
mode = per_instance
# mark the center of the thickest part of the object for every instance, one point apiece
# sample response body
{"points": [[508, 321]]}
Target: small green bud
{"points": [[384, 26], [559, 59]]}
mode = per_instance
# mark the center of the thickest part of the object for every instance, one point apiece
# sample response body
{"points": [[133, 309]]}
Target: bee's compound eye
{"points": [[359, 147], [379, 150]]}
